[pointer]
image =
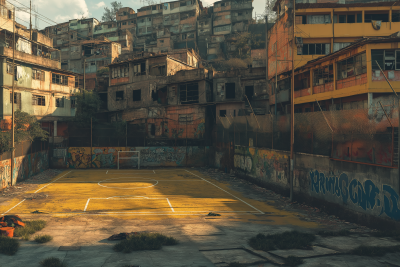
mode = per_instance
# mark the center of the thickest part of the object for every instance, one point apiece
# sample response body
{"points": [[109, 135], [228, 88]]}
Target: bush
{"points": [[30, 228], [8, 245], [144, 241], [374, 251], [43, 238], [286, 240], [52, 262], [334, 233]]}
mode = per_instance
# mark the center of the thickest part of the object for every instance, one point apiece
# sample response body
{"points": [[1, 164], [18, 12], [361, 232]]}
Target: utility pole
{"points": [[12, 105], [292, 108], [30, 19], [84, 73]]}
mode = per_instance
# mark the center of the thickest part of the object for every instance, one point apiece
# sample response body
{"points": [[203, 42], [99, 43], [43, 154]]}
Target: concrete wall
{"points": [[367, 192], [24, 167], [106, 157]]}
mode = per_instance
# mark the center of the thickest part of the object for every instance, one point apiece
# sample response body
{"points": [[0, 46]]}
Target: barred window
{"points": [[38, 100], [59, 102]]}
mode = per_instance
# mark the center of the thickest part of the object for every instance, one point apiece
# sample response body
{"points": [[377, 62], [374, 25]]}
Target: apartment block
{"points": [[42, 87], [321, 28]]}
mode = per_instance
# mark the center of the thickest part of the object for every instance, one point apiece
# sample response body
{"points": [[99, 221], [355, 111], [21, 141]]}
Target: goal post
{"points": [[136, 155]]}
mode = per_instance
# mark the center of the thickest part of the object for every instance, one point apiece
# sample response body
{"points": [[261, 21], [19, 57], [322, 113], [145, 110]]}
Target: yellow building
{"points": [[322, 28]]}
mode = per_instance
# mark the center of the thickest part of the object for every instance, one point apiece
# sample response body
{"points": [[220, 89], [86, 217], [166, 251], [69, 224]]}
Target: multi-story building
{"points": [[155, 91], [42, 88], [321, 28]]}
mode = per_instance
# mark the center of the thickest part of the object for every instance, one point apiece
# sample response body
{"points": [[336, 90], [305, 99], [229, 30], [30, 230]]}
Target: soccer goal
{"points": [[129, 155]]}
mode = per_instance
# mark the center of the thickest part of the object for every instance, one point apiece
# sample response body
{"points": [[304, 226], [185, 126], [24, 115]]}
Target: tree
{"points": [[110, 13], [87, 105], [27, 128]]}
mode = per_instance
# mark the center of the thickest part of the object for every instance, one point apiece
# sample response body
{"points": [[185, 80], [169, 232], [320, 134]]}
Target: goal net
{"points": [[131, 156]]}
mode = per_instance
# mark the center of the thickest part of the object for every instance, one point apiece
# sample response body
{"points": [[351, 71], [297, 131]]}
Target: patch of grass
{"points": [[286, 240], [30, 228], [293, 261], [144, 241], [334, 233], [43, 238], [8, 245], [374, 251], [52, 262]]}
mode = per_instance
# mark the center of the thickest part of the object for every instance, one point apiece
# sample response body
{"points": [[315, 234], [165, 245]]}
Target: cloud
{"points": [[100, 4], [55, 11]]}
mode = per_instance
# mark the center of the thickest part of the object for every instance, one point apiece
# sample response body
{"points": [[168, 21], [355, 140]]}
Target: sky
{"points": [[57, 11]]}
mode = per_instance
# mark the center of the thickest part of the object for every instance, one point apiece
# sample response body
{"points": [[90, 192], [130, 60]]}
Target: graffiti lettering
{"points": [[365, 195]]}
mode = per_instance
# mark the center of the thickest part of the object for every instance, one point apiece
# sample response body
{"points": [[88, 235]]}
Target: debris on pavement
{"points": [[213, 214]]}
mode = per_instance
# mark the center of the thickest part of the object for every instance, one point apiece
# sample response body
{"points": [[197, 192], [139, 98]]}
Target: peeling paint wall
{"points": [[107, 157], [24, 167]]}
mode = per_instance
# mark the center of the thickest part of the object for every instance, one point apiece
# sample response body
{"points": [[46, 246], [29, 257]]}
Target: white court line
{"points": [[154, 171], [52, 182], [13, 207], [87, 203], [107, 172], [175, 212], [170, 205], [227, 192]]}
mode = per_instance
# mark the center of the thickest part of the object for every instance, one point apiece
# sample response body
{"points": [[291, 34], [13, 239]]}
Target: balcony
{"points": [[29, 58], [302, 92]]}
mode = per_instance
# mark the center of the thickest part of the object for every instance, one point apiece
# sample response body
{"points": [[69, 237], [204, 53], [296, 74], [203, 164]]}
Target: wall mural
{"points": [[367, 195], [81, 158], [24, 167]]}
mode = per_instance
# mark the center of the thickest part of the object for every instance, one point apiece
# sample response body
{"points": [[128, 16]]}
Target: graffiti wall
{"points": [[24, 167], [107, 157], [372, 190], [270, 166]]}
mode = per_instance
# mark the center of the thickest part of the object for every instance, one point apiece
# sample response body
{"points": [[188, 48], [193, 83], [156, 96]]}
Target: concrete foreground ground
{"points": [[81, 239]]}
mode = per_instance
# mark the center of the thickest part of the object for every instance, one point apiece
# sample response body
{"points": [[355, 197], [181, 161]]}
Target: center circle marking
{"points": [[154, 182]]}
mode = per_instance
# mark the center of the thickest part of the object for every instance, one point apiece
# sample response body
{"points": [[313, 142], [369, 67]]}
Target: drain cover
{"points": [[69, 248]]}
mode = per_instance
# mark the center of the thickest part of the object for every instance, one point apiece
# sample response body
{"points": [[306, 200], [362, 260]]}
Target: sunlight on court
{"points": [[148, 194]]}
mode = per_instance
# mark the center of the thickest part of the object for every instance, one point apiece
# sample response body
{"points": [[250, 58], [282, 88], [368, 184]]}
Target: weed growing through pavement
{"points": [[293, 261], [30, 228], [286, 240], [43, 238], [144, 241], [8, 245], [52, 262], [334, 233], [374, 251]]}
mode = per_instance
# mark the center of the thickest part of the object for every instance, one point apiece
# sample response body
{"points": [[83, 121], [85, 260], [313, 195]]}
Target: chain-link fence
{"points": [[361, 135], [142, 132]]}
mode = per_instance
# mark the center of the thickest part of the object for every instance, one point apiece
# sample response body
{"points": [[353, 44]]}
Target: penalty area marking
{"points": [[51, 182], [144, 179], [136, 198], [227, 192], [16, 206]]}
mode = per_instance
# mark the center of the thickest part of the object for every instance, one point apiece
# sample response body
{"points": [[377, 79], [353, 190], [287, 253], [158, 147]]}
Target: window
{"points": [[323, 75], [123, 23], [119, 95], [17, 98], [137, 95], [59, 102], [189, 93], [38, 100], [73, 103], [387, 59], [148, 19], [161, 41], [76, 82], [230, 90], [338, 46], [395, 16], [38, 75], [369, 17], [352, 66], [249, 92], [184, 36], [120, 71], [139, 69], [314, 49], [9, 68], [222, 113], [109, 26], [59, 79], [149, 29], [347, 18]]}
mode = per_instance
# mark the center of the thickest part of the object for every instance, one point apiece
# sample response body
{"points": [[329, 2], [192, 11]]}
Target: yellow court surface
{"points": [[145, 193]]}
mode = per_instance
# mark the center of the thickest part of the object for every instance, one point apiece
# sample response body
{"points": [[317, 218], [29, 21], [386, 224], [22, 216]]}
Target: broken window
{"points": [[314, 49], [323, 75], [352, 66], [59, 79], [38, 100], [387, 59], [189, 93], [119, 95], [222, 113], [139, 69], [230, 90], [137, 95], [369, 17], [17, 98], [59, 102]]}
